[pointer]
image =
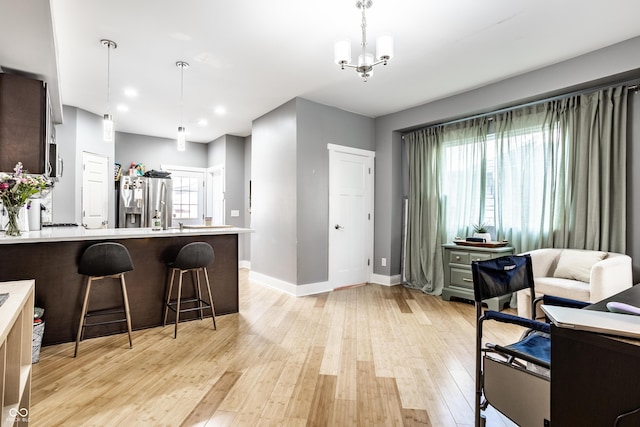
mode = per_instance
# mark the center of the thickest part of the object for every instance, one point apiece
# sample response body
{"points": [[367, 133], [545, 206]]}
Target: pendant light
{"points": [[182, 132], [108, 128]]}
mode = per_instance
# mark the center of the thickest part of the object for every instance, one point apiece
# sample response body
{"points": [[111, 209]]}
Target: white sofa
{"points": [[582, 275]]}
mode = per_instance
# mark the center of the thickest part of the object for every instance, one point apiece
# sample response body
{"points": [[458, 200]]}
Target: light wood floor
{"points": [[366, 355]]}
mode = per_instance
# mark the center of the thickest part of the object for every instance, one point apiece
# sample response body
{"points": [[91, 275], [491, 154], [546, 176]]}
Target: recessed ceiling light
{"points": [[220, 110], [122, 107], [202, 122], [130, 92]]}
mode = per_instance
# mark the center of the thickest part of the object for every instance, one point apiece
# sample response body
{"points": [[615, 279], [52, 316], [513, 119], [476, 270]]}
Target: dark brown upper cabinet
{"points": [[23, 123]]}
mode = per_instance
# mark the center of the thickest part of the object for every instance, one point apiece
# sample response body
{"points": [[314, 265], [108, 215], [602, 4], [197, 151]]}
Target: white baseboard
{"points": [[289, 288], [311, 288], [379, 279], [244, 264]]}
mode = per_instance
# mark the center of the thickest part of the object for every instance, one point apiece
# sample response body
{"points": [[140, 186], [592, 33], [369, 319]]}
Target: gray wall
{"points": [[595, 67], [82, 131], [153, 151], [216, 151], [246, 238], [290, 178], [317, 126], [273, 177], [234, 180], [65, 204], [229, 151]]}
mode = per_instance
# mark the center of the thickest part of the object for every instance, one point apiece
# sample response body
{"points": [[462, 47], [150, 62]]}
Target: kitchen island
{"points": [[51, 257]]}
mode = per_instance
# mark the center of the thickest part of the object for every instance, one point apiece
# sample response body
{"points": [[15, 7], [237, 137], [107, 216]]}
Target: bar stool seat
{"points": [[100, 261], [193, 257]]}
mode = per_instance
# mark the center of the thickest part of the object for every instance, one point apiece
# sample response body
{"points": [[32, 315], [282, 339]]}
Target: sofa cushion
{"points": [[576, 264], [564, 288]]}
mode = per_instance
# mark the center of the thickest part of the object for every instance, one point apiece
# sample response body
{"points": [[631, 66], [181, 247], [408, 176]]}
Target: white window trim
{"points": [[202, 204]]}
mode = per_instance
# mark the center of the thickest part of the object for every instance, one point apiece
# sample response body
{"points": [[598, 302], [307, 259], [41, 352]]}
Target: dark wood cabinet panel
{"points": [[23, 123], [59, 287]]}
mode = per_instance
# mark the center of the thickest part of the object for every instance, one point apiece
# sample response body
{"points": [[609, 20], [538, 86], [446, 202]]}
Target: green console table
{"points": [[458, 280]]}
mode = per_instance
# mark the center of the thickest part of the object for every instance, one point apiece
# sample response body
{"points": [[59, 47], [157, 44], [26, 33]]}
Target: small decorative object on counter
{"points": [[15, 190], [157, 224]]}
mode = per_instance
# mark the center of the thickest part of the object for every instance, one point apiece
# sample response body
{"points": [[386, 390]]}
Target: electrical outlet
{"points": [[383, 261]]}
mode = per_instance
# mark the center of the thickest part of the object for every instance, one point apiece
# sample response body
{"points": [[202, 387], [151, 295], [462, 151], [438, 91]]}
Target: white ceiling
{"points": [[252, 56]]}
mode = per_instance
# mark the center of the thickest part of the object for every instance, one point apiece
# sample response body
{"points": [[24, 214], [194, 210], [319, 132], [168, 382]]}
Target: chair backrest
{"points": [[105, 259], [501, 276], [194, 255]]}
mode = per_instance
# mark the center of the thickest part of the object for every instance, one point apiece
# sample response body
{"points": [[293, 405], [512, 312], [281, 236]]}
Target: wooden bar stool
{"points": [[193, 257], [100, 261]]}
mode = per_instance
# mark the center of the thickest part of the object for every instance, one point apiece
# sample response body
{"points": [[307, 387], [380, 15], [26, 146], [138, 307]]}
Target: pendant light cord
{"points": [[364, 32], [181, 92]]}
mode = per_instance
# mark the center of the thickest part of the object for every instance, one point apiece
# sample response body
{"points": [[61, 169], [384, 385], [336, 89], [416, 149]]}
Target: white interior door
{"points": [[350, 215], [95, 190]]}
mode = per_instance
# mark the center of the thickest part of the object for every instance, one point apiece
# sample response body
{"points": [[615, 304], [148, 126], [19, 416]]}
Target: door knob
{"points": [[339, 227]]}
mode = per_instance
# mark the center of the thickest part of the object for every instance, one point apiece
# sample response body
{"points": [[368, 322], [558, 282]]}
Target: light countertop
{"points": [[69, 234]]}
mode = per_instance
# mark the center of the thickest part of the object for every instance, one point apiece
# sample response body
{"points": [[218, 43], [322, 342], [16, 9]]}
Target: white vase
{"points": [[485, 236]]}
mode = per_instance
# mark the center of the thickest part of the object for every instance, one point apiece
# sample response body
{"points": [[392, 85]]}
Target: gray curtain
{"points": [[559, 180], [423, 260], [572, 192]]}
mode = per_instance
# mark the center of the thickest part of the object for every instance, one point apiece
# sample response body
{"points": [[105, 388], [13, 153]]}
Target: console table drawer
{"points": [[458, 257], [480, 256], [463, 278]]}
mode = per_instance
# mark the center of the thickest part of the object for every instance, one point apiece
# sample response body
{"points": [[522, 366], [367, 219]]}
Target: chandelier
{"points": [[366, 61]]}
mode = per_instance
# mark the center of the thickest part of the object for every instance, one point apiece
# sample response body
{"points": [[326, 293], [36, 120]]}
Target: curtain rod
{"points": [[634, 85]]}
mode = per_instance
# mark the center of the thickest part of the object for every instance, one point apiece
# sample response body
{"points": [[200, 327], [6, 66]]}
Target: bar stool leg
{"points": [[195, 280], [127, 314], [170, 286], [175, 333], [84, 312], [213, 310], [200, 295]]}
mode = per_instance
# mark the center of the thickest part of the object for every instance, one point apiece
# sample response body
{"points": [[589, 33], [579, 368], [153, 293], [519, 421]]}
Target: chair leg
{"points": [[82, 315], [127, 313], [213, 310], [175, 332]]}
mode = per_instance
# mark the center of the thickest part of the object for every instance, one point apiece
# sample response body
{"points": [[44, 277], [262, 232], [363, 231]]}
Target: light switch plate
{"points": [[235, 213]]}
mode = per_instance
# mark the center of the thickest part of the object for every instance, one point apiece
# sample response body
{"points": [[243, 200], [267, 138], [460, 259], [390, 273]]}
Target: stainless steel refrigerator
{"points": [[140, 198]]}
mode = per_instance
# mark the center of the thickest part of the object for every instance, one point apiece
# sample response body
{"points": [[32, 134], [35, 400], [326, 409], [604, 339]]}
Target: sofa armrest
{"points": [[610, 276]]}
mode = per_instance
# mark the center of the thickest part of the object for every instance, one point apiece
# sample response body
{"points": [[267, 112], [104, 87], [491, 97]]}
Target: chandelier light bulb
{"points": [[342, 52], [384, 49]]}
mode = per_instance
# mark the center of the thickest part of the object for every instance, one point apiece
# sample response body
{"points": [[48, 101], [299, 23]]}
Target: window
{"points": [[500, 180], [188, 194]]}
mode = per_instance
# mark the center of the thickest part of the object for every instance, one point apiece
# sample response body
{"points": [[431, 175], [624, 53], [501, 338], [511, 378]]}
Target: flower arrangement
{"points": [[15, 190]]}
